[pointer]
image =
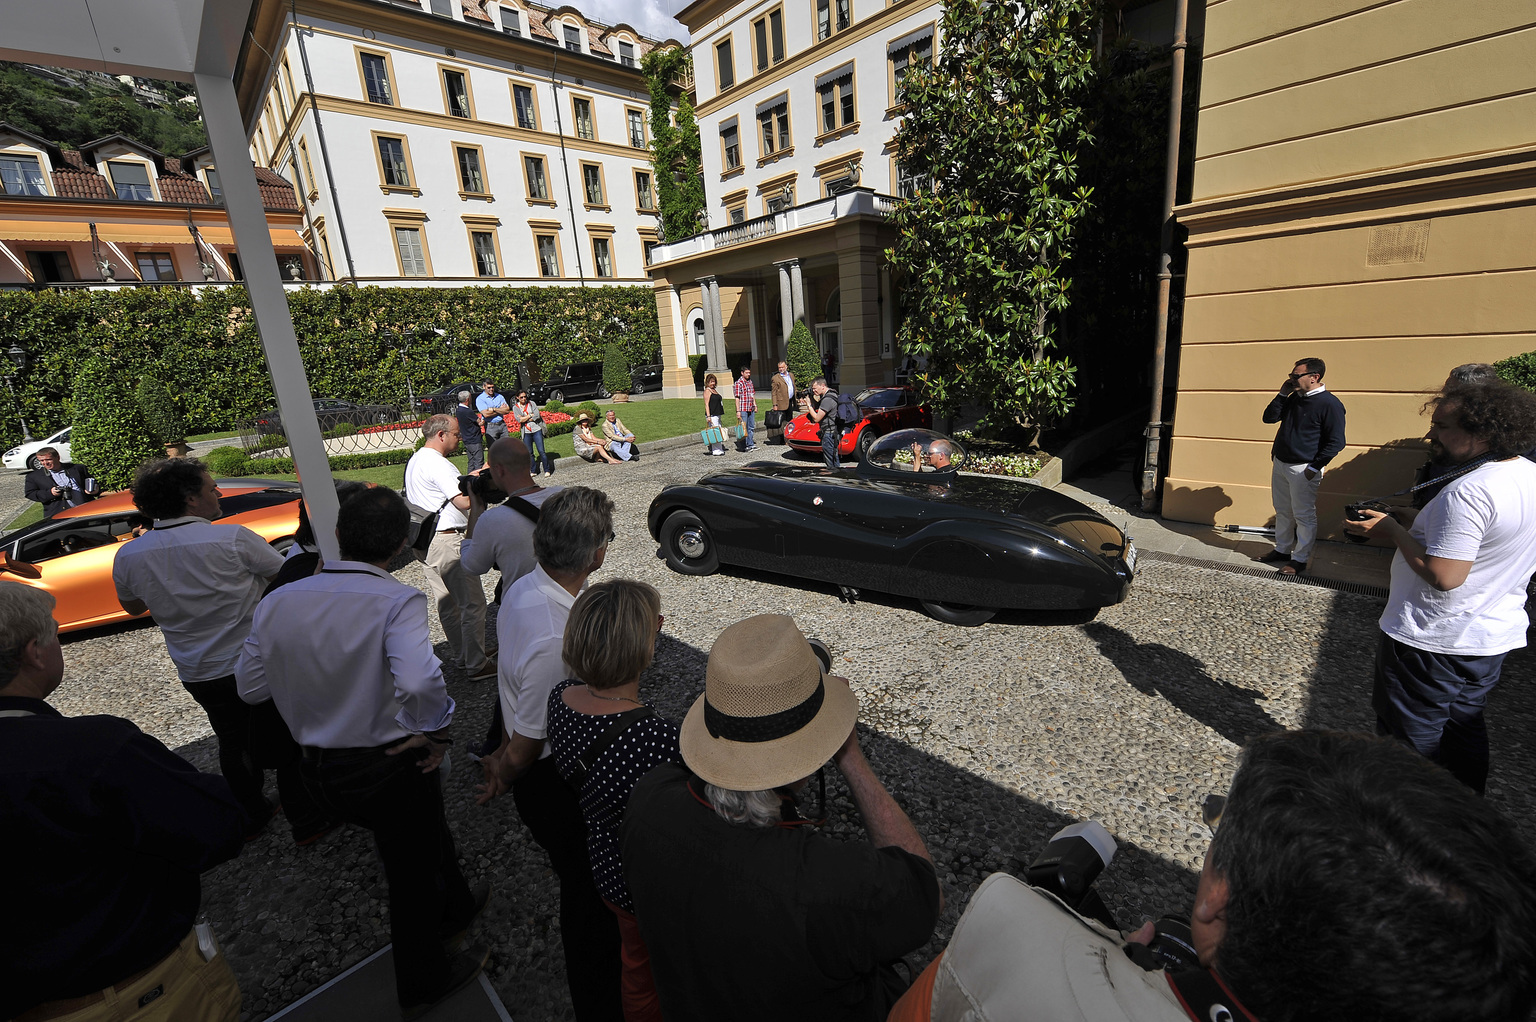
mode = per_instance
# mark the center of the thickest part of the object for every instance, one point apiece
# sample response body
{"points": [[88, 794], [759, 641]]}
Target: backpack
{"points": [[847, 409]]}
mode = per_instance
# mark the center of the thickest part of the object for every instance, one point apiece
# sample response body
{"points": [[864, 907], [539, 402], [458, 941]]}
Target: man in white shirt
{"points": [[570, 541], [202, 581], [346, 657], [432, 482], [1456, 605]]}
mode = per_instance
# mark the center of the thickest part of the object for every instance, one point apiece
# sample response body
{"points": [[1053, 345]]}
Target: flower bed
{"points": [[990, 457], [390, 427]]}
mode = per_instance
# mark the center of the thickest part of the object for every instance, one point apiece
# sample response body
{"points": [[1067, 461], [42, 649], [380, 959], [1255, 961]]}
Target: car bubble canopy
{"points": [[911, 451]]}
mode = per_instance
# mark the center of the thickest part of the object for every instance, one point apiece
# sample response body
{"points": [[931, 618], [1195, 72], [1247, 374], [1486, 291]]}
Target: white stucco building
{"points": [[454, 142], [797, 107]]}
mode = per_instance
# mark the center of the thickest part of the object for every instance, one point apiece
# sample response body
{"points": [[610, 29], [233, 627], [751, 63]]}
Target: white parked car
{"points": [[24, 457]]}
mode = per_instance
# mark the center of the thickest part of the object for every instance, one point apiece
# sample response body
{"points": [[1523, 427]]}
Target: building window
{"points": [[832, 16], [626, 53], [413, 258], [908, 184], [645, 198], [636, 128], [51, 267], [768, 38], [648, 248], [602, 257], [527, 116], [309, 171], [904, 55], [549, 255], [781, 199], [731, 144], [155, 266], [376, 79], [698, 335], [511, 21], [131, 181], [442, 8], [392, 162], [538, 187], [22, 175], [470, 177], [214, 191], [485, 253], [835, 92], [456, 89], [572, 38], [725, 66], [839, 185], [583, 110], [773, 124], [737, 214], [236, 270], [592, 183], [288, 77]]}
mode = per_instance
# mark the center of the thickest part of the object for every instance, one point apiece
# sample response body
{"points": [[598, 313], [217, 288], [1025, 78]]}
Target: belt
{"points": [[315, 755], [450, 531], [70, 1005]]}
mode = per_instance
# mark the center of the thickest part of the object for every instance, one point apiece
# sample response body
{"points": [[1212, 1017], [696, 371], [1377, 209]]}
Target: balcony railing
{"points": [[854, 202], [750, 230]]}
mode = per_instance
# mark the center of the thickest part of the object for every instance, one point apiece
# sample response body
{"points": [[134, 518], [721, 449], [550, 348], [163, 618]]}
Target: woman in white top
{"points": [[531, 423], [588, 444]]}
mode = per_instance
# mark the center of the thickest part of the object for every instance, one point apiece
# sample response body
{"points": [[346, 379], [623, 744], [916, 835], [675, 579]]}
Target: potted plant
{"points": [[157, 406], [616, 378]]}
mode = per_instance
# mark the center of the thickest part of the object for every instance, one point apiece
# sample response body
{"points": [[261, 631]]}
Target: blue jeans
{"points": [[747, 421], [476, 452], [830, 435], [541, 460]]}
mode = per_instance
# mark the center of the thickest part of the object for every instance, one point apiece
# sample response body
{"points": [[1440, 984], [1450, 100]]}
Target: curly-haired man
{"points": [[1457, 601]]}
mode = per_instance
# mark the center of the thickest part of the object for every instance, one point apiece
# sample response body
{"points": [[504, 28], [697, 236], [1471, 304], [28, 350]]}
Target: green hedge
{"points": [[1519, 370], [205, 348], [226, 462]]}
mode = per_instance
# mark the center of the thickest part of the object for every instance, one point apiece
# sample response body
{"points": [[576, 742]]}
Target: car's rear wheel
{"points": [[381, 418], [282, 544], [637, 388], [687, 544], [557, 395], [962, 614], [603, 394]]}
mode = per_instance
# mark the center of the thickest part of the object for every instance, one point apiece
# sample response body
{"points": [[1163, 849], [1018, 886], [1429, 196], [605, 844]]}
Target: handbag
{"points": [[423, 526], [774, 419], [712, 436], [738, 432]]}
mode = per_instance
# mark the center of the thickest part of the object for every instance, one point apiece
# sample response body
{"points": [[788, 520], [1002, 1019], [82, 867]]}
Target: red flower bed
{"points": [[390, 427], [553, 417]]}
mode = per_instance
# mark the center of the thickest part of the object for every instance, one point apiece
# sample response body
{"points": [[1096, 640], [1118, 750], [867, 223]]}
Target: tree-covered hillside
{"points": [[72, 114]]}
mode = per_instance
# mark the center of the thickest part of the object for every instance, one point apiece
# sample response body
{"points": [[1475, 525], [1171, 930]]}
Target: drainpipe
{"points": [[325, 152], [1155, 424], [565, 168]]}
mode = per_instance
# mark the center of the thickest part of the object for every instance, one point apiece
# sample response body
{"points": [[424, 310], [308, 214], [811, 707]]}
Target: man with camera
{"points": [[1347, 879], [504, 506], [432, 484], [1311, 432], [57, 486], [1456, 605], [747, 911]]}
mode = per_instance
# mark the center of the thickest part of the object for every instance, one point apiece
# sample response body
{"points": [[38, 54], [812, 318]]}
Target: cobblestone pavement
{"points": [[990, 737]]}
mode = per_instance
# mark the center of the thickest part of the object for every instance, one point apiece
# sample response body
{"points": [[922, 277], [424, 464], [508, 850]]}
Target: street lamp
{"points": [[17, 357]]}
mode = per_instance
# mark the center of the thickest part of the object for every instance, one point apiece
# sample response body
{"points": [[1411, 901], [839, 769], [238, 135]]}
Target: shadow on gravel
{"points": [[290, 918], [107, 631], [1155, 669]]}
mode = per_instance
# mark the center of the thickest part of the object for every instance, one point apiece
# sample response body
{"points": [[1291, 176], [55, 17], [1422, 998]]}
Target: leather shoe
{"points": [[1274, 557], [462, 970], [454, 939]]}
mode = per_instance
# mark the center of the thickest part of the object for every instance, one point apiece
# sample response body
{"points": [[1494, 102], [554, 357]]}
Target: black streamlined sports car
{"points": [[903, 522]]}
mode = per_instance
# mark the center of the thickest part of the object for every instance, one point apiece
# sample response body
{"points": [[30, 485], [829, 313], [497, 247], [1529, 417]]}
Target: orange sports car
{"points": [[70, 554]]}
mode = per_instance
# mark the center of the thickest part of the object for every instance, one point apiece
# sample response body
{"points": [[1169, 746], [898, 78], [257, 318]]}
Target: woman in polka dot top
{"points": [[610, 639]]}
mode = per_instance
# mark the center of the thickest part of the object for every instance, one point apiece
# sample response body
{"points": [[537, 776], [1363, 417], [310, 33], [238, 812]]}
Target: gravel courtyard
{"points": [[990, 737]]}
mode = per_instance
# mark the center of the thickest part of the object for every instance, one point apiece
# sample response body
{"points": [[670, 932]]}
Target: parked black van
{"points": [[573, 382]]}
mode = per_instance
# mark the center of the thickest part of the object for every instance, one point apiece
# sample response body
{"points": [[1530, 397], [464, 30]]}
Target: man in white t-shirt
{"points": [[1457, 602], [570, 542], [432, 482]]}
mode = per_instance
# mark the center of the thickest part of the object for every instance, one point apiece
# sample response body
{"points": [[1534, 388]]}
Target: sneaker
{"points": [[481, 892], [462, 970], [486, 673]]}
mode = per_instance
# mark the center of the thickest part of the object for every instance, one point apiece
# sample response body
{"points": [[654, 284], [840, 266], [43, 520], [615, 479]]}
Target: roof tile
{"points": [[276, 192], [77, 180]]}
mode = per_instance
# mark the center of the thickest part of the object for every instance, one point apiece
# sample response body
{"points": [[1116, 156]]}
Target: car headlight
{"points": [[11, 453]]}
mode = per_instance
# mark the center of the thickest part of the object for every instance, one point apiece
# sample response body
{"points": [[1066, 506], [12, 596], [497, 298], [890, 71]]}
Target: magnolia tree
{"points": [[991, 136]]}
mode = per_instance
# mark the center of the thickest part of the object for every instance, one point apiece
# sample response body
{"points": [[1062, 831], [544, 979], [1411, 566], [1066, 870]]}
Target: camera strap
{"points": [[1459, 470], [1205, 998]]}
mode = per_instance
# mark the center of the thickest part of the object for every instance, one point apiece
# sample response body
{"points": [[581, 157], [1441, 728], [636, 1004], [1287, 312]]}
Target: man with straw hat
{"points": [[748, 911]]}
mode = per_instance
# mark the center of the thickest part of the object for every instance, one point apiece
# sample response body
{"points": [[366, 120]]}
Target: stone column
{"points": [[786, 298], [797, 288], [677, 379], [714, 330]]}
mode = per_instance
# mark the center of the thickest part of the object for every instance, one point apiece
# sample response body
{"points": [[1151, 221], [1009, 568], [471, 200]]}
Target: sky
{"points": [[652, 18]]}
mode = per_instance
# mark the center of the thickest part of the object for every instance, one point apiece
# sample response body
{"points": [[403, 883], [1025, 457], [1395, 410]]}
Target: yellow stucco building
{"points": [[1364, 192]]}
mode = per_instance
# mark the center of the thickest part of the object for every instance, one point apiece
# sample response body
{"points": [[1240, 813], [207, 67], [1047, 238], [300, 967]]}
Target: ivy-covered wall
{"points": [[205, 346]]}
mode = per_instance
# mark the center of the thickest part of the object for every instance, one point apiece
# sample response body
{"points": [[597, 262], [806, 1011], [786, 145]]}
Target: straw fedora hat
{"points": [[768, 716], [584, 417]]}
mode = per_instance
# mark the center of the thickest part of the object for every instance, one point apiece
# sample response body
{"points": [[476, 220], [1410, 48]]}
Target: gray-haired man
{"points": [[469, 426]]}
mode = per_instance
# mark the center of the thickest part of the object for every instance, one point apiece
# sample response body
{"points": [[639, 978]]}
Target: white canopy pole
{"points": [[248, 220]]}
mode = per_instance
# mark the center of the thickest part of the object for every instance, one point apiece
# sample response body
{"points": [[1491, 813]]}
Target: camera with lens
{"points": [[481, 486], [1352, 513]]}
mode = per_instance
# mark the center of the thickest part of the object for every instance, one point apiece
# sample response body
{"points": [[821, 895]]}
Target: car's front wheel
{"points": [[687, 544], [557, 395], [867, 438], [31, 463], [637, 388], [962, 614], [603, 394], [282, 544]]}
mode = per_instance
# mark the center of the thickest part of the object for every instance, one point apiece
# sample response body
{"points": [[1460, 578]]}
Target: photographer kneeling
{"points": [[1348, 879]]}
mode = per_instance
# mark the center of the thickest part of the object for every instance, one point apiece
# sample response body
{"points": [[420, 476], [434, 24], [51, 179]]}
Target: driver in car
{"points": [[938, 457]]}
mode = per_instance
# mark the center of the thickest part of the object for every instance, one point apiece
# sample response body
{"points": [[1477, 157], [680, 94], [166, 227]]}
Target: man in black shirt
{"points": [[747, 912], [1311, 432], [469, 427], [106, 834]]}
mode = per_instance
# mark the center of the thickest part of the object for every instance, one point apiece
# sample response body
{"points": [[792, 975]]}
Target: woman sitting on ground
{"points": [[588, 444], [610, 639]]}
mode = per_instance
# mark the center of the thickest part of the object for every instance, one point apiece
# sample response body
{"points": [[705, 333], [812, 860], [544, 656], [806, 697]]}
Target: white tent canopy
{"points": [[195, 41]]}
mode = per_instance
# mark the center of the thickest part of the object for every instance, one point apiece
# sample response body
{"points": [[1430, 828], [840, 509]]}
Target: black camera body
{"points": [[483, 487], [1352, 513]]}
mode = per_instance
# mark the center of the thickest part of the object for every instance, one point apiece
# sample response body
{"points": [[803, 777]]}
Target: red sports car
{"points": [[882, 410]]}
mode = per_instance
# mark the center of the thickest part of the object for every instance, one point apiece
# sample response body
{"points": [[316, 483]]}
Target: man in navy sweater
{"points": [[1311, 432]]}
